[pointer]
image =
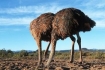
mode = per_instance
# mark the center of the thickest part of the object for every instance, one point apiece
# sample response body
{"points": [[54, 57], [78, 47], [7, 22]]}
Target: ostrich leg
{"points": [[72, 50], [52, 52], [79, 44], [39, 51], [46, 51]]}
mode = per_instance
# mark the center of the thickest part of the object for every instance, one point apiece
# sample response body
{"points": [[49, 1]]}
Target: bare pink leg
{"points": [[72, 50], [79, 44], [52, 52], [39, 51], [46, 51]]}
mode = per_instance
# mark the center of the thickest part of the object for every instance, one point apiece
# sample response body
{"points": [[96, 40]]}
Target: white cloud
{"points": [[93, 4], [37, 10], [15, 21], [100, 5], [32, 9], [100, 23], [95, 14], [98, 16], [94, 9], [9, 29]]}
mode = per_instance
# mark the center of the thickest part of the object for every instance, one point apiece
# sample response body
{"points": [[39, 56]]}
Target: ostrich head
{"points": [[90, 21], [88, 24], [85, 23]]}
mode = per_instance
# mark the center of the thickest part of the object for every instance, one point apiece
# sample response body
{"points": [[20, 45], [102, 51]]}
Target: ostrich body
{"points": [[41, 28], [66, 23]]}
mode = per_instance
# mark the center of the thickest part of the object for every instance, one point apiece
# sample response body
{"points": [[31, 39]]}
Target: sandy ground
{"points": [[30, 64]]}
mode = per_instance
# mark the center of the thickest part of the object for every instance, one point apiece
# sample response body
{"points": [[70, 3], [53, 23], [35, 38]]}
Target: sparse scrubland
{"points": [[28, 60]]}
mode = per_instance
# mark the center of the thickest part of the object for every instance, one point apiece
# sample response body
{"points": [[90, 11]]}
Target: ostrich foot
{"points": [[39, 66], [71, 61], [80, 61]]}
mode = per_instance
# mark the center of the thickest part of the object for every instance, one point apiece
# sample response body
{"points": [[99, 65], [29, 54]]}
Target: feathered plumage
{"points": [[66, 23], [42, 26]]}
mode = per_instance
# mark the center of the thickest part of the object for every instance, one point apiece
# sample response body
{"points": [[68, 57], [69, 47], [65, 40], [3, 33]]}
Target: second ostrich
{"points": [[41, 28], [66, 23]]}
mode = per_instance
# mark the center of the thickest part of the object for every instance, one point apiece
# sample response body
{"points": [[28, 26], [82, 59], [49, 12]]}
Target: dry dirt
{"points": [[30, 64]]}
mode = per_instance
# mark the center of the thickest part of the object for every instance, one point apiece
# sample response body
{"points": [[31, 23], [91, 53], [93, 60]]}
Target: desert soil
{"points": [[57, 64]]}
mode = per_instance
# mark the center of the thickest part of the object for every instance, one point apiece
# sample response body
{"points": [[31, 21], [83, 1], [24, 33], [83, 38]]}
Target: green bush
{"points": [[58, 55], [23, 53], [98, 55], [10, 53], [3, 53]]}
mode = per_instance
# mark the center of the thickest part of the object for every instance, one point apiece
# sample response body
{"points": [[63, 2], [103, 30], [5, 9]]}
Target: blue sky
{"points": [[16, 15]]}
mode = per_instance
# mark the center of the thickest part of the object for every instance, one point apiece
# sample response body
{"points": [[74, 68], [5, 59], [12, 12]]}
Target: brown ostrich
{"points": [[41, 28], [68, 22]]}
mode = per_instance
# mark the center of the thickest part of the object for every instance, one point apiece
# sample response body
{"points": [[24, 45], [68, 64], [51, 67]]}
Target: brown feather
{"points": [[69, 21], [42, 26]]}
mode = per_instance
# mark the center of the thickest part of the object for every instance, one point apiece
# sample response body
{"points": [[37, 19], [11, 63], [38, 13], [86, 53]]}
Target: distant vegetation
{"points": [[58, 55]]}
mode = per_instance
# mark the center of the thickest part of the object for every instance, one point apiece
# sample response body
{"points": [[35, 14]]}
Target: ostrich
{"points": [[41, 28], [66, 23]]}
